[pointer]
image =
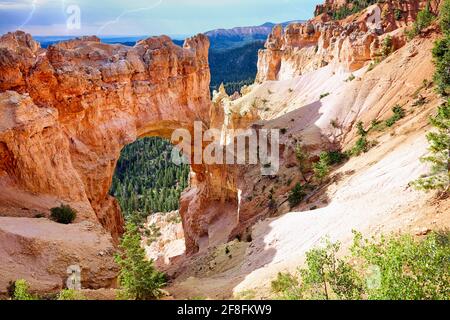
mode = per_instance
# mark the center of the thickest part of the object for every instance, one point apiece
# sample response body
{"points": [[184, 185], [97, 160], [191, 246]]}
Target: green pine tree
{"points": [[137, 277], [439, 159]]}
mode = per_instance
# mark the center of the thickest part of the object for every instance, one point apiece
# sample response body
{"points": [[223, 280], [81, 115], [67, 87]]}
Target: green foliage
{"points": [[360, 127], [21, 291], [303, 157], [235, 86], [326, 160], [146, 181], [352, 7], [246, 295], [63, 214], [324, 277], [398, 14], [372, 65], [152, 233], [335, 157], [441, 52], [323, 95], [70, 294], [444, 17], [296, 195], [286, 286], [138, 277], [350, 78], [399, 113], [362, 144], [327, 277], [234, 67], [394, 268], [408, 269], [322, 168], [387, 46], [439, 159], [424, 19], [377, 125]]}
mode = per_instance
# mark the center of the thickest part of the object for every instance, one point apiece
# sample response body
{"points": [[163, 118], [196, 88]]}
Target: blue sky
{"points": [[145, 17]]}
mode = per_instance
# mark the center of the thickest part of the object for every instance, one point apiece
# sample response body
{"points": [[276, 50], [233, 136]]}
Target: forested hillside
{"points": [[146, 180], [234, 67]]}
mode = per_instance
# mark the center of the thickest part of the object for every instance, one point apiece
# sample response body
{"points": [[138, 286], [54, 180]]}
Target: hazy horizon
{"points": [[46, 18], [173, 36]]}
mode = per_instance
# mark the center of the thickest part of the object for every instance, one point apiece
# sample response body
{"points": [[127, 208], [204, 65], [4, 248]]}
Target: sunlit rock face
{"points": [[66, 113], [347, 44], [69, 110]]}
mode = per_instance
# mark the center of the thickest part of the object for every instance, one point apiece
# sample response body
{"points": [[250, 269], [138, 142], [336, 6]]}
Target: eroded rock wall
{"points": [[347, 44], [66, 113]]}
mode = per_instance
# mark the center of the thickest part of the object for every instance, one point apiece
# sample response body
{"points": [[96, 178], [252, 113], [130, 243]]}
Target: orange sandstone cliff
{"points": [[347, 44], [66, 113]]}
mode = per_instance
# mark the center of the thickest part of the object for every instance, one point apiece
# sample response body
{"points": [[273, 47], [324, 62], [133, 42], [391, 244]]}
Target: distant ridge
{"points": [[221, 38]]}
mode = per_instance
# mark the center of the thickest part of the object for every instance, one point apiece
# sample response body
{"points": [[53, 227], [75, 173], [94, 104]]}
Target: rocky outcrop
{"points": [[41, 252], [164, 239], [347, 44], [67, 112]]}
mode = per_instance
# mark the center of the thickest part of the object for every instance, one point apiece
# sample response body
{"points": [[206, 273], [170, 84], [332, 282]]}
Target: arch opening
{"points": [[146, 181]]}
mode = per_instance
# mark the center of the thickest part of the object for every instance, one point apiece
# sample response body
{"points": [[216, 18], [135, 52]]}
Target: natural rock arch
{"points": [[69, 110]]}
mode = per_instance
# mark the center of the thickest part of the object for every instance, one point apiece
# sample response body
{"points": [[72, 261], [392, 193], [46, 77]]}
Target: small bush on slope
{"points": [[20, 291], [296, 195], [138, 277], [399, 113], [63, 214], [402, 269], [70, 294], [321, 168], [327, 159], [424, 19], [387, 46], [362, 145], [303, 160]]}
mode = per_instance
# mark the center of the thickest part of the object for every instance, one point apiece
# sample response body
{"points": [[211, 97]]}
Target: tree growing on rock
{"points": [[303, 161], [441, 52], [439, 158], [138, 277], [296, 195]]}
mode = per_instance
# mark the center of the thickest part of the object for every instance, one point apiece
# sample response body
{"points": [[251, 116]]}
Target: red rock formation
{"points": [[350, 43], [66, 113]]}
